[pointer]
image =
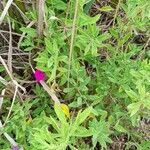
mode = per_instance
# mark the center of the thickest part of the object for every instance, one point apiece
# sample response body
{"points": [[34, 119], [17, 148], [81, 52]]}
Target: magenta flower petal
{"points": [[39, 75]]}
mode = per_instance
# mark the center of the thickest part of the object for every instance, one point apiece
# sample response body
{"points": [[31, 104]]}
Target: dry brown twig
{"points": [[8, 4], [3, 81], [14, 33], [41, 14], [12, 104], [11, 76], [50, 92], [10, 48], [8, 137], [16, 87], [1, 98], [4, 37], [25, 18]]}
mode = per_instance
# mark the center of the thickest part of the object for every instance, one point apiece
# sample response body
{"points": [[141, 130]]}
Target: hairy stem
{"points": [[72, 38]]}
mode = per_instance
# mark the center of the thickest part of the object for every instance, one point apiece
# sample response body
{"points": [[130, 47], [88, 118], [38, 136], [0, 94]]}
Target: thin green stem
{"points": [[72, 39], [116, 12]]}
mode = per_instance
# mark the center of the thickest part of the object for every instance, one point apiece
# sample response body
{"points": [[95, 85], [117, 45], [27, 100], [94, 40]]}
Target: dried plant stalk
{"points": [[5, 11], [41, 13]]}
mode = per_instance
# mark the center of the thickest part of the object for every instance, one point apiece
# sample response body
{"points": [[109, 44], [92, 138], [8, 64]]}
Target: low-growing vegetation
{"points": [[75, 75]]}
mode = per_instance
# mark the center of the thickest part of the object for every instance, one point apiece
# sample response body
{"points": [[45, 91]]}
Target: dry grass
{"points": [[5, 11]]}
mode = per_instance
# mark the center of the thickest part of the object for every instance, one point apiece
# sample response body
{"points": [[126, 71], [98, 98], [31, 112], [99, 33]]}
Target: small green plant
{"points": [[95, 56], [100, 131], [60, 134]]}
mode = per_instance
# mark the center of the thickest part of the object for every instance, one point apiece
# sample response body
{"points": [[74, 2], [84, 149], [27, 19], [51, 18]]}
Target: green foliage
{"points": [[100, 131], [138, 13], [89, 40], [109, 78], [28, 41], [65, 133]]}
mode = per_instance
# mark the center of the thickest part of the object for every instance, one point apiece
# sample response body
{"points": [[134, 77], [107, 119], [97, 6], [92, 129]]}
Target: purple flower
{"points": [[15, 148], [39, 75]]}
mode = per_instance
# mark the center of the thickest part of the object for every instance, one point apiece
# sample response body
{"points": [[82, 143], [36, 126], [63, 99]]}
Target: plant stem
{"points": [[72, 38]]}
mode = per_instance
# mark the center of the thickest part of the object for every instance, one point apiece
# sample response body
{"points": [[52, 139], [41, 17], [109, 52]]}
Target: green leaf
{"points": [[132, 94], [104, 37], [134, 108], [29, 31], [100, 130], [106, 8], [83, 2], [82, 132], [28, 49], [48, 45], [145, 145], [88, 6], [141, 90], [87, 20], [53, 122], [58, 4], [120, 128], [2, 68], [111, 119], [60, 114], [77, 103], [114, 32], [83, 115]]}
